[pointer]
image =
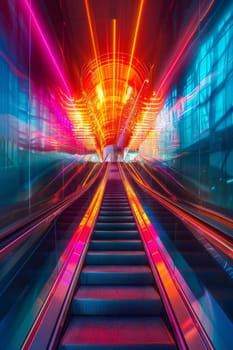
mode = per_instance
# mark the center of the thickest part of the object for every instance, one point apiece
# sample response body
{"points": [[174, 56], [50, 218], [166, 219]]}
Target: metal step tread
{"points": [[116, 300], [117, 293], [116, 218], [116, 252], [99, 241], [116, 244], [117, 268], [113, 332], [115, 231], [108, 235], [116, 257], [116, 213]]}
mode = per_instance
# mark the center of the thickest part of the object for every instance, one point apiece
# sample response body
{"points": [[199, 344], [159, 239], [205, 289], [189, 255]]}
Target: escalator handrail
{"points": [[23, 231], [20, 224], [176, 304], [208, 212], [219, 238], [48, 325]]}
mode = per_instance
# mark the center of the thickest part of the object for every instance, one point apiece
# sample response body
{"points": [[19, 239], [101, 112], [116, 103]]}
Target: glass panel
{"points": [[195, 123]]}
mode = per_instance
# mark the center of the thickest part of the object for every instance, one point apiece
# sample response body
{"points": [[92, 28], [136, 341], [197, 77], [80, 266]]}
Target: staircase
{"points": [[116, 304]]}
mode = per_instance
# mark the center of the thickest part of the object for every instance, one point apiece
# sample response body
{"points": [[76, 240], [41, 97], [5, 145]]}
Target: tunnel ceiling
{"points": [[111, 62]]}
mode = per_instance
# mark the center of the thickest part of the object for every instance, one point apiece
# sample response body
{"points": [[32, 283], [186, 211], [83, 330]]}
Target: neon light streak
{"points": [[194, 24], [46, 45], [93, 39], [99, 71], [154, 178], [121, 137], [100, 93], [129, 66], [134, 41], [114, 67]]}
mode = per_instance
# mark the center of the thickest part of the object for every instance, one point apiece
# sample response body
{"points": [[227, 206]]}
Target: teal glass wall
{"points": [[37, 148], [196, 123]]}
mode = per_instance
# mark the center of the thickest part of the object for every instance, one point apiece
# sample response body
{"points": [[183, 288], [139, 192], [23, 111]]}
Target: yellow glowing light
{"points": [[100, 93], [128, 94]]}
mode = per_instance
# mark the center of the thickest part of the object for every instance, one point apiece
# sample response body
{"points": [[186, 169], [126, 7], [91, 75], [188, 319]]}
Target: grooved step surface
{"points": [[117, 333], [115, 293], [116, 205], [116, 245], [119, 300], [128, 234], [116, 209], [116, 258], [115, 226], [116, 274], [114, 218], [115, 213], [115, 201]]}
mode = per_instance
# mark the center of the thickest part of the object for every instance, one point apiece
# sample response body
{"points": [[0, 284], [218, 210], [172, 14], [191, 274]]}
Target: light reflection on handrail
{"points": [[20, 224], [211, 214], [188, 330], [55, 307], [218, 238], [164, 188], [46, 216]]}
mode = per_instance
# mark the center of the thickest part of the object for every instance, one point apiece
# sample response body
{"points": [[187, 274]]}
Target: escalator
{"points": [[116, 304], [204, 272], [31, 259]]}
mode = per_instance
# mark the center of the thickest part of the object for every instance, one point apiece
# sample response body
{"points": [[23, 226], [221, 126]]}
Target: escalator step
{"points": [[116, 275], [114, 333], [114, 218], [115, 226], [115, 199], [115, 203], [116, 245], [116, 209], [117, 300], [116, 258], [129, 234], [116, 213]]}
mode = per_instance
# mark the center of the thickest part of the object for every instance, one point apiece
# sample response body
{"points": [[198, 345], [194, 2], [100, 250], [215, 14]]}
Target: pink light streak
{"points": [[44, 41], [182, 46]]}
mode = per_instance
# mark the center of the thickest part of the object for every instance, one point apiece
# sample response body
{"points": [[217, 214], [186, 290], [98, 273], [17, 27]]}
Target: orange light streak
{"points": [[134, 42], [99, 71], [114, 69], [131, 60], [93, 38]]}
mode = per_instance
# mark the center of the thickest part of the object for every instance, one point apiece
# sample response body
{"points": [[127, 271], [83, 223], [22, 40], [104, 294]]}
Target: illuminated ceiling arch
{"points": [[115, 94]]}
